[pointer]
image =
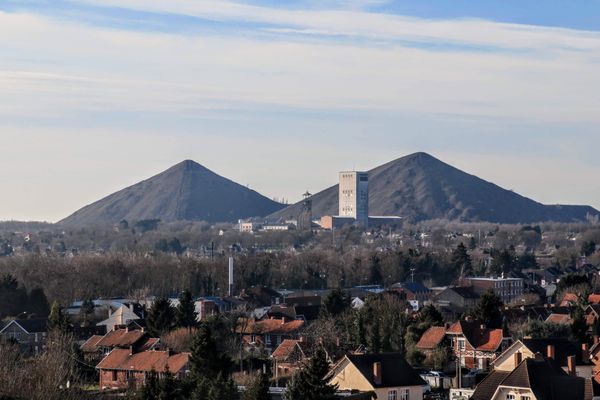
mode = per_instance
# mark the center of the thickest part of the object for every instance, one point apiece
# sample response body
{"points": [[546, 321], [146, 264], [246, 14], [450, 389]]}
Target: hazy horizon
{"points": [[98, 95]]}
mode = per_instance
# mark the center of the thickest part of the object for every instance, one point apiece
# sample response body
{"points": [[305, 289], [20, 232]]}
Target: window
{"points": [[114, 375], [525, 398], [404, 394], [510, 397], [393, 395], [461, 344]]}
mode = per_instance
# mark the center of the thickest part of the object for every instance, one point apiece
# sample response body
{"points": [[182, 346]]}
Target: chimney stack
{"points": [[550, 351], [130, 350], [585, 352], [377, 373], [571, 368], [518, 358]]}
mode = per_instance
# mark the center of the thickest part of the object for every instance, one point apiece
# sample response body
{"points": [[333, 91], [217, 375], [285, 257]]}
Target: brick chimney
{"points": [[550, 352], [377, 373], [571, 366], [585, 352], [518, 358], [131, 350]]}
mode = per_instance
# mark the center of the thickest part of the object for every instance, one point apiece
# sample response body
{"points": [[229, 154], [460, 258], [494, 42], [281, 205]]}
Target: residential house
{"points": [[28, 333], [432, 340], [265, 335], [508, 289], [457, 299], [97, 346], [560, 319], [414, 291], [557, 349], [475, 345], [124, 315], [290, 356], [124, 368], [388, 375], [534, 378]]}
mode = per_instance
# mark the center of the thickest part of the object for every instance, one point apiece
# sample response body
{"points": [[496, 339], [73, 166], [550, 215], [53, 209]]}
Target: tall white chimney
{"points": [[230, 276]]}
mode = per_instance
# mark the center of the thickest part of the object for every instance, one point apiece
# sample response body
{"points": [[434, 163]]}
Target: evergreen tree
{"points": [[258, 388], [579, 326], [310, 383], [489, 310], [58, 319], [38, 303], [376, 277], [336, 302], [431, 316], [168, 386], [151, 389], [85, 312], [206, 359], [185, 312], [461, 260], [375, 336], [160, 317]]}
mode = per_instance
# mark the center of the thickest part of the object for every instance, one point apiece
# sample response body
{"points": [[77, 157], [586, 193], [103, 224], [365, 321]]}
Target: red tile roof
{"points": [[146, 361], [285, 349], [560, 319], [432, 338], [271, 326], [479, 337], [594, 298], [121, 338], [568, 299], [91, 345]]}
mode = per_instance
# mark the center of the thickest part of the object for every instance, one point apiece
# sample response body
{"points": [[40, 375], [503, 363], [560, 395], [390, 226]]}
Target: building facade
{"points": [[354, 196], [508, 289]]}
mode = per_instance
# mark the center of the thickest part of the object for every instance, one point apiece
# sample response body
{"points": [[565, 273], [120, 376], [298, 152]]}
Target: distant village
{"points": [[348, 306]]}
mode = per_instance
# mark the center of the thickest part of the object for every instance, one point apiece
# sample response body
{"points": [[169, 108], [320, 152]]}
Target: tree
{"points": [[431, 316], [206, 359], [168, 386], [160, 317], [579, 326], [38, 303], [258, 388], [185, 312], [86, 310], [151, 389], [461, 260], [336, 302], [310, 383], [542, 330], [58, 321], [588, 248], [489, 310]]}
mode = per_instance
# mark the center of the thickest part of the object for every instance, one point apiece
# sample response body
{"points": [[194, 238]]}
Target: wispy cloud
{"points": [[256, 74]]}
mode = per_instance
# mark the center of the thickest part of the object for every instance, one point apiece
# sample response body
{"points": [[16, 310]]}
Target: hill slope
{"points": [[186, 191], [420, 187]]}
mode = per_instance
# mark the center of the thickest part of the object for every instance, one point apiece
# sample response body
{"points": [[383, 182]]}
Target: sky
{"points": [[279, 95]]}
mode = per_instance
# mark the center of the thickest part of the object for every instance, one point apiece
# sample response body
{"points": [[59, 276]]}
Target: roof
{"points": [[432, 338], [543, 376], [560, 319], [594, 298], [29, 325], [482, 339], [395, 370], [563, 348], [413, 287], [91, 345], [465, 292], [122, 359], [569, 298], [286, 348], [272, 326], [121, 338], [546, 380]]}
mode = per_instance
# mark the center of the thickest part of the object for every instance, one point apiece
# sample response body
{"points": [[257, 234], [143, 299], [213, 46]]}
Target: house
{"points": [[124, 368], [475, 345], [124, 315], [507, 289], [388, 375], [97, 346], [267, 334], [458, 299], [569, 300], [560, 319], [592, 313], [594, 298], [432, 339], [290, 356], [557, 349], [28, 333], [535, 377], [414, 291]]}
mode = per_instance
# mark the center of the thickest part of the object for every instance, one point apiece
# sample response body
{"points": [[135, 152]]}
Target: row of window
{"points": [[512, 396], [401, 394]]}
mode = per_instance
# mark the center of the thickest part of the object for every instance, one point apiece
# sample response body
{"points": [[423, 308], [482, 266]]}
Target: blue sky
{"points": [[280, 95]]}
